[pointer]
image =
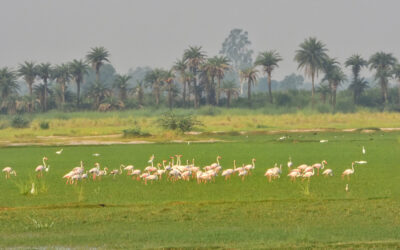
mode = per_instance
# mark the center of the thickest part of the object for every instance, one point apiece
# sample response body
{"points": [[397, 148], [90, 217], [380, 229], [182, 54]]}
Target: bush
{"points": [[20, 122], [180, 123], [44, 125], [345, 106], [323, 108], [135, 132], [209, 110]]}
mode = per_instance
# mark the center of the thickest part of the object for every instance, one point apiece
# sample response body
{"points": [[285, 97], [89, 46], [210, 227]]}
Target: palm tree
{"points": [[154, 78], [121, 82], [97, 56], [382, 63], [310, 57], [329, 67], [209, 68], [249, 75], [324, 90], [41, 91], [62, 75], [231, 89], [396, 75], [222, 66], [358, 87], [335, 77], [44, 72], [356, 62], [78, 69], [168, 78], [98, 92], [8, 87], [28, 71], [269, 61], [194, 57], [140, 92], [180, 68]]}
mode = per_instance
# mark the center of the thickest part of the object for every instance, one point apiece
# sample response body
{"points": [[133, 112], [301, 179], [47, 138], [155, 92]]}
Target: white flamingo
{"points": [[59, 151], [328, 172], [137, 173], [320, 165], [95, 171], [42, 168], [293, 175], [251, 166], [128, 168], [9, 171], [308, 174], [348, 171]]}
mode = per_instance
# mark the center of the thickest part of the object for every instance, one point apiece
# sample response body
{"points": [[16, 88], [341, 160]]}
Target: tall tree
{"points": [[356, 62], [324, 90], [98, 92], [154, 79], [222, 66], [396, 75], [8, 88], [249, 75], [210, 69], [62, 75], [310, 57], [180, 68], [329, 67], [269, 61], [194, 57], [139, 91], [382, 63], [28, 71], [335, 77], [168, 78], [41, 90], [44, 72], [231, 89], [121, 82], [97, 56], [78, 69]]}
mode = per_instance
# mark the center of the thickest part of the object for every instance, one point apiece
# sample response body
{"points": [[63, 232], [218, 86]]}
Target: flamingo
{"points": [[128, 168], [216, 164], [320, 165], [290, 163], [328, 172], [59, 151], [308, 174], [151, 178], [228, 172], [293, 175], [302, 167], [103, 172], [95, 171], [9, 171], [151, 159], [348, 171], [68, 176], [40, 168], [243, 173], [160, 172], [136, 173], [114, 172], [251, 166]]}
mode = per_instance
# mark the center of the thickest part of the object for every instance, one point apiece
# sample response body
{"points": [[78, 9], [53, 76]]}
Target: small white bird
{"points": [[59, 151], [360, 162], [282, 138], [96, 154], [347, 188], [363, 150], [323, 141], [33, 190]]}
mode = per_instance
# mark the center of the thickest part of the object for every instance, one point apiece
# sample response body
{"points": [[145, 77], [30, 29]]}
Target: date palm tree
{"points": [[356, 62], [194, 57], [139, 91], [40, 91], [249, 75], [209, 68], [44, 72], [121, 82], [180, 68], [269, 61], [222, 66], [78, 69], [98, 92], [335, 77], [358, 87], [382, 63], [325, 91], [62, 76], [154, 79], [310, 57], [329, 66], [28, 71], [168, 79], [8, 88], [230, 89], [396, 76], [96, 57]]}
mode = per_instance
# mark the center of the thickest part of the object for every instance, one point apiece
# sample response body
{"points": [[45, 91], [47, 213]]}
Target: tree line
{"points": [[194, 80]]}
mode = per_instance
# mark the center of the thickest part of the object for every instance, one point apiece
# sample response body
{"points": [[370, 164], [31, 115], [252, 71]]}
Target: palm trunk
{"points": [[170, 96], [97, 74], [218, 91], [196, 96], [78, 93], [228, 97], [249, 90], [334, 97], [45, 95], [31, 96], [398, 93], [62, 93], [188, 93], [184, 93], [269, 87], [312, 90], [384, 90], [157, 94]]}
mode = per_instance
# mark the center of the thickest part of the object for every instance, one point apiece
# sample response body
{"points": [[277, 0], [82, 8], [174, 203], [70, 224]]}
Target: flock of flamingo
{"points": [[174, 171]]}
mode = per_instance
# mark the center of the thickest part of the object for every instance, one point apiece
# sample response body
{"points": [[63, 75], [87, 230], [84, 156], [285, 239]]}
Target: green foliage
{"points": [[178, 123], [135, 132], [44, 125], [20, 122]]}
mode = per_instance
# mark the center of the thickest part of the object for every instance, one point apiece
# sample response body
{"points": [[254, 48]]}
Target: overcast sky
{"points": [[156, 32]]}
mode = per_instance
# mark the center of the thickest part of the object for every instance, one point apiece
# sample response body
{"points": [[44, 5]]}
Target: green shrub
{"points": [[345, 106], [323, 108], [209, 110], [181, 123], [135, 132], [20, 122], [44, 125]]}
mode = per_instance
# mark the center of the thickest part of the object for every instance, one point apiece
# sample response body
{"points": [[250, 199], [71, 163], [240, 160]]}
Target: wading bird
{"points": [[348, 172], [9, 171], [59, 151], [39, 169]]}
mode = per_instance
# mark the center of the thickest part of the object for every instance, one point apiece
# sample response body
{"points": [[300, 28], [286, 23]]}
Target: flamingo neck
{"points": [[218, 160]]}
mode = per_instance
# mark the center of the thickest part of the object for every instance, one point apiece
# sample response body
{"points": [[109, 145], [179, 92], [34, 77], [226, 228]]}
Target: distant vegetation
{"points": [[230, 79]]}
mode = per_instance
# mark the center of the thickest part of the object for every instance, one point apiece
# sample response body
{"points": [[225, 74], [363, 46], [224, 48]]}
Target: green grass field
{"points": [[123, 213]]}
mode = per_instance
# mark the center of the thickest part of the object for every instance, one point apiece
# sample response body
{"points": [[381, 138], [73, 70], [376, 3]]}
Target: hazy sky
{"points": [[156, 32]]}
